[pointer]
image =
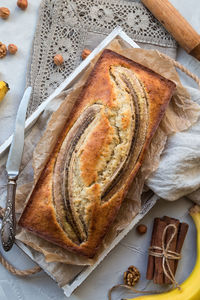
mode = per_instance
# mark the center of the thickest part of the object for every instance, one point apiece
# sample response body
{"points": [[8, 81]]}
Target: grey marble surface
{"points": [[19, 29]]}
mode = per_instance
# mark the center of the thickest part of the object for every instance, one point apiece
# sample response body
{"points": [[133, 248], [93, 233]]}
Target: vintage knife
{"points": [[12, 168]]}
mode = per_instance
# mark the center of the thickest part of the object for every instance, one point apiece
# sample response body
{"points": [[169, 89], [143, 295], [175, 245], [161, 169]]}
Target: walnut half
{"points": [[3, 50], [132, 276], [4, 12]]}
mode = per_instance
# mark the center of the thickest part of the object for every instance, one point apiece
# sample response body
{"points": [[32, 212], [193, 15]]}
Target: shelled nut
{"points": [[141, 229], [4, 12], [3, 50], [12, 49], [58, 59], [23, 4], [85, 53], [131, 276]]}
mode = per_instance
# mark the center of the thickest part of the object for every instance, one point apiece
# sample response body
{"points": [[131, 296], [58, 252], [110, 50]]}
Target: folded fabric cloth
{"points": [[178, 173]]}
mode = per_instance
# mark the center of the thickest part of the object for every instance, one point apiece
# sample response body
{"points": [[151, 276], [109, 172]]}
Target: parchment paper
{"points": [[180, 114]]}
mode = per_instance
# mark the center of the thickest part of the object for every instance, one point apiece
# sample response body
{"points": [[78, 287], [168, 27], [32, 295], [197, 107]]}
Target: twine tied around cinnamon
{"points": [[166, 254]]}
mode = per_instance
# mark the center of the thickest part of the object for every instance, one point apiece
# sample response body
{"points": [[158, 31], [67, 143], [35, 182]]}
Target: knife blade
{"points": [[12, 168]]}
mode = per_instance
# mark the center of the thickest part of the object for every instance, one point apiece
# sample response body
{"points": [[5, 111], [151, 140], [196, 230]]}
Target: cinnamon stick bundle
{"points": [[155, 270]]}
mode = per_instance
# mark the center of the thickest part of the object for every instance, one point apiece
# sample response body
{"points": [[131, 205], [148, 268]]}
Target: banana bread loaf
{"points": [[98, 154]]}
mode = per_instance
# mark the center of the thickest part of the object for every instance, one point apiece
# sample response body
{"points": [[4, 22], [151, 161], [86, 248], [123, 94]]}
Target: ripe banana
{"points": [[190, 288], [3, 89]]}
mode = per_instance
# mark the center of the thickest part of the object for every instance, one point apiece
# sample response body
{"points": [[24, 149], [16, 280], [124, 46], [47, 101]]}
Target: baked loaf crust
{"points": [[80, 191]]}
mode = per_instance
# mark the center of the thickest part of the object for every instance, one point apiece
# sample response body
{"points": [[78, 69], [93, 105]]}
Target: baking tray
{"points": [[148, 202]]}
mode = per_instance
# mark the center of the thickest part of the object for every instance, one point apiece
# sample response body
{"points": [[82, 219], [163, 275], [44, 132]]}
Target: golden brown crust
{"points": [[113, 85]]}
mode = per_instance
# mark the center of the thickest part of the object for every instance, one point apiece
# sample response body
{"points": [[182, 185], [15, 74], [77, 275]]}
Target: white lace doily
{"points": [[68, 26]]}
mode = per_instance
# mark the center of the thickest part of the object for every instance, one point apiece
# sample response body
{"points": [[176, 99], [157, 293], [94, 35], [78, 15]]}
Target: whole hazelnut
{"points": [[58, 59], [141, 229], [4, 12], [85, 53], [3, 50], [23, 4], [12, 49]]}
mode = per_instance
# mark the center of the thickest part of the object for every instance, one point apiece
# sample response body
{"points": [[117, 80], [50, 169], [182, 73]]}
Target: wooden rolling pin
{"points": [[174, 22]]}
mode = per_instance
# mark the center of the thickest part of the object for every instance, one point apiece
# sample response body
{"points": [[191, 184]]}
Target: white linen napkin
{"points": [[178, 173]]}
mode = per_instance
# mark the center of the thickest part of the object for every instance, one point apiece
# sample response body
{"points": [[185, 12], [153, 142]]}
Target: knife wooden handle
{"points": [[176, 24], [9, 221]]}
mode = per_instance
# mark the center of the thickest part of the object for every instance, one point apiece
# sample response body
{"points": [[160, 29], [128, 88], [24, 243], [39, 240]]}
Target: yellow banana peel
{"points": [[4, 88], [190, 288]]}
